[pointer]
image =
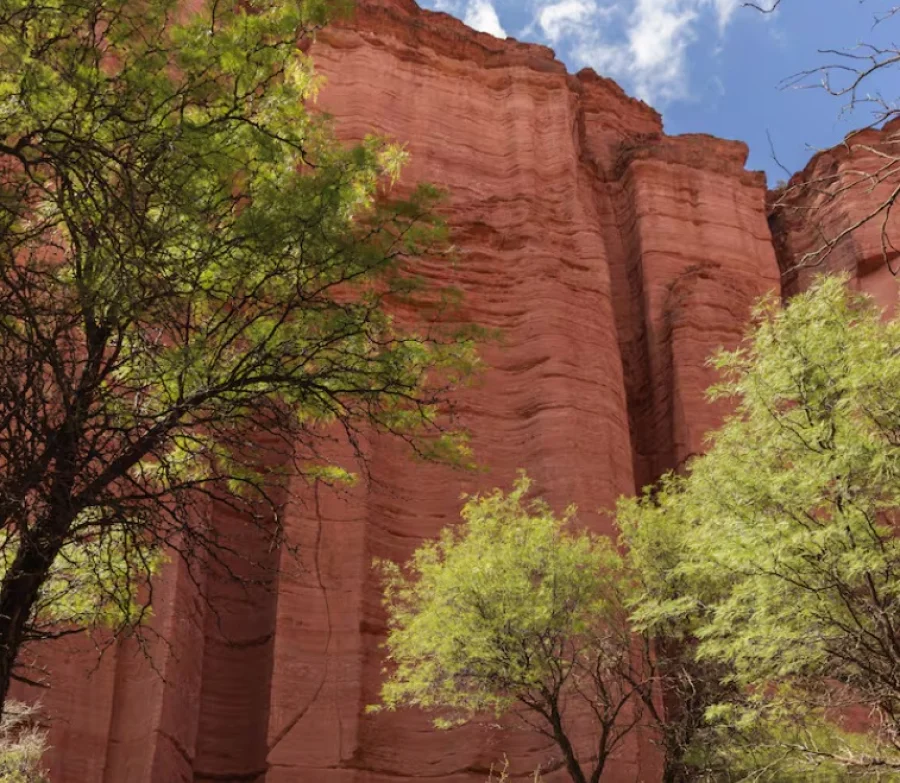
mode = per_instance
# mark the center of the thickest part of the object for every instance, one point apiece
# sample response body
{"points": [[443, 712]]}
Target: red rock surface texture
{"points": [[839, 215], [613, 259]]}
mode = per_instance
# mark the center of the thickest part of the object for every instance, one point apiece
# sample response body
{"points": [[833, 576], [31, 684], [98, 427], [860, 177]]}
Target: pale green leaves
{"points": [[777, 550], [497, 608], [97, 578]]}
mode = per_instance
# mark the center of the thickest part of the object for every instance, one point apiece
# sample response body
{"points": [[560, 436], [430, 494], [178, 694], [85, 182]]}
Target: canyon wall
{"points": [[837, 215], [612, 258]]}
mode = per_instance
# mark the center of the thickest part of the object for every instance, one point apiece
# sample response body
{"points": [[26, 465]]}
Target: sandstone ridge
{"points": [[613, 258]]}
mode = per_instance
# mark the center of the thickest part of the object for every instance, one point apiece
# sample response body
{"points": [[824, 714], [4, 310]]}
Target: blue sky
{"points": [[710, 66]]}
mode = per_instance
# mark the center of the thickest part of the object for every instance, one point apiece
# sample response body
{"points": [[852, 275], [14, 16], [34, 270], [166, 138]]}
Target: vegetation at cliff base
{"points": [[515, 611], [781, 563], [200, 289], [22, 746], [752, 621]]}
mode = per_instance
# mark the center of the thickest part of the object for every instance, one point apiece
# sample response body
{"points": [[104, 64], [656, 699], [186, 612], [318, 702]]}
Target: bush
{"points": [[22, 746]]}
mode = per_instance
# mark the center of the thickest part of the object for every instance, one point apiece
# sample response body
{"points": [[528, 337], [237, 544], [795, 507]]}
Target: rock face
{"points": [[614, 260], [837, 215]]}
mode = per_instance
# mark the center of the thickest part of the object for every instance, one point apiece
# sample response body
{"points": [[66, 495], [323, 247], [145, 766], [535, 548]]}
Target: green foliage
{"points": [[776, 557], [93, 580], [479, 617], [514, 610], [196, 282], [784, 741]]}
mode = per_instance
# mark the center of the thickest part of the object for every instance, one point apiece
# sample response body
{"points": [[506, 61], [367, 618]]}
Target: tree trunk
{"points": [[562, 740], [672, 771], [20, 589]]}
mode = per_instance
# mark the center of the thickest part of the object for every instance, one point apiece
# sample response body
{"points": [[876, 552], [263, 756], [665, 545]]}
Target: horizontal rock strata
{"points": [[839, 215], [613, 260]]}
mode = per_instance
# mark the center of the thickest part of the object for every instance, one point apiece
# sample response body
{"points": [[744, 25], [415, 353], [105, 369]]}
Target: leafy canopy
{"points": [[514, 608], [196, 279], [776, 553]]}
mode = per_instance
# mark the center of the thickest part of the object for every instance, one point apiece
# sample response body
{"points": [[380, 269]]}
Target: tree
{"points": [[515, 611], [857, 76], [782, 556], [196, 285], [652, 535]]}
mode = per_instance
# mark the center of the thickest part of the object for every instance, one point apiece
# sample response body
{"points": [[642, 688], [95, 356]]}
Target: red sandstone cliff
{"points": [[613, 258], [838, 214]]}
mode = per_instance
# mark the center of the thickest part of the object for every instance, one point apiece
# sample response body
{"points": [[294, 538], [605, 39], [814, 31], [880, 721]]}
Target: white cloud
{"points": [[455, 7], [481, 15], [659, 34], [725, 10], [643, 43], [566, 17]]}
